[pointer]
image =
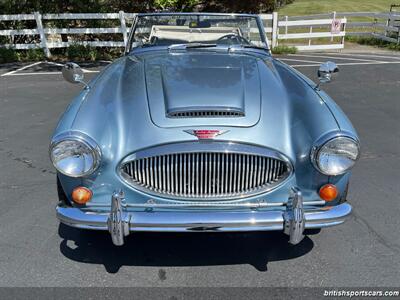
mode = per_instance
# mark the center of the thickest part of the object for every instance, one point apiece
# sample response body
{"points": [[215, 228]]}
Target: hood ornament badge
{"points": [[206, 134]]}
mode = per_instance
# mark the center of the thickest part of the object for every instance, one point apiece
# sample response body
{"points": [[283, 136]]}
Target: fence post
{"points": [[123, 26], [286, 20], [274, 29], [388, 23], [344, 30], [334, 17], [43, 41]]}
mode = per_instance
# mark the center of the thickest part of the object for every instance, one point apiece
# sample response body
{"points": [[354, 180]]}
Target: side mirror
{"points": [[73, 73], [135, 44], [327, 72]]}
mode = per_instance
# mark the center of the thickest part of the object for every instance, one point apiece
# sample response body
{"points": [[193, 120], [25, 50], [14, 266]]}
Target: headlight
{"points": [[336, 156], [74, 157]]}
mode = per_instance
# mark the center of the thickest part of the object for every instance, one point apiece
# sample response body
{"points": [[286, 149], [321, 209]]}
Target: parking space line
{"points": [[352, 64], [301, 60], [20, 69], [54, 63], [89, 71], [334, 57], [364, 55], [18, 72], [46, 73], [309, 63], [35, 73]]}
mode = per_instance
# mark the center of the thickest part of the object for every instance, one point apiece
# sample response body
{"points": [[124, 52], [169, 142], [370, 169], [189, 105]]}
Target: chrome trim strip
{"points": [[190, 204], [257, 18], [197, 14], [184, 175], [205, 220], [215, 204], [200, 146]]}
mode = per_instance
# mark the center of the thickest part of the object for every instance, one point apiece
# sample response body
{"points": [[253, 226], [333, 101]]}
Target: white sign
{"points": [[335, 27]]}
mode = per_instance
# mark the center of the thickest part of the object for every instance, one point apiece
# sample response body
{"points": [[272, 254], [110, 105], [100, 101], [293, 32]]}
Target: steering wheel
{"points": [[231, 39]]}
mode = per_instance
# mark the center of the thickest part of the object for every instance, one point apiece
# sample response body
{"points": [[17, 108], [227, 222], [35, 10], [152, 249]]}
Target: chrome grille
{"points": [[205, 174], [205, 114]]}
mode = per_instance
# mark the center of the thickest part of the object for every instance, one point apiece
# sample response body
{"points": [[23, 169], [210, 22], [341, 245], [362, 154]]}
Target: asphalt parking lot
{"points": [[36, 251]]}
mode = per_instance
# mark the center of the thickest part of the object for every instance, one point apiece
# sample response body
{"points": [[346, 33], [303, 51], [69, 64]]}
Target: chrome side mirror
{"points": [[136, 44], [73, 73], [327, 72]]}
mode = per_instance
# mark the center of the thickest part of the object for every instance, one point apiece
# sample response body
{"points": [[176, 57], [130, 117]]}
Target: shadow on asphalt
{"points": [[179, 249]]}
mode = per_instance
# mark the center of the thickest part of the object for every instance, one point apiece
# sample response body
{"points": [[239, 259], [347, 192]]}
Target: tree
{"points": [[247, 6], [176, 5], [65, 6]]}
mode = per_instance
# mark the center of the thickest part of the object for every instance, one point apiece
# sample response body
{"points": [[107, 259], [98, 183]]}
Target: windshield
{"points": [[200, 30]]}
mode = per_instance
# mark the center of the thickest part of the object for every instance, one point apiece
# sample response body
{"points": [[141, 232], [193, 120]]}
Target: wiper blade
{"points": [[190, 46], [200, 45], [256, 47]]}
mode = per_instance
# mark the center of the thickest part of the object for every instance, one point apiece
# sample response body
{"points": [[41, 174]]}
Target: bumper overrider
{"points": [[120, 222]]}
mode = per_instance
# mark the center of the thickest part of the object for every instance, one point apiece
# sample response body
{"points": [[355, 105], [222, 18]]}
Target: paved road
{"points": [[36, 251]]}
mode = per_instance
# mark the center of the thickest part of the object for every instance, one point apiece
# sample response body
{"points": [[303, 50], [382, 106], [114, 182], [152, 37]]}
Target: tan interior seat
{"points": [[186, 34]]}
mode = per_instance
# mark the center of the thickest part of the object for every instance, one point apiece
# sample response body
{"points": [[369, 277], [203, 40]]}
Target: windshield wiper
{"points": [[255, 47], [190, 46], [240, 47], [200, 45]]}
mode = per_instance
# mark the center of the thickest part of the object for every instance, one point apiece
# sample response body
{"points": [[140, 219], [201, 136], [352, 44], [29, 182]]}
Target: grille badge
{"points": [[206, 134]]}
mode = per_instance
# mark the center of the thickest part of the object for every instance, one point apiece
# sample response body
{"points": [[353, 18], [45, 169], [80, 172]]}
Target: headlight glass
{"points": [[337, 156], [74, 158]]}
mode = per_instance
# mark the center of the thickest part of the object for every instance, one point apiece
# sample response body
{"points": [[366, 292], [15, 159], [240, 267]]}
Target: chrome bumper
{"points": [[119, 222]]}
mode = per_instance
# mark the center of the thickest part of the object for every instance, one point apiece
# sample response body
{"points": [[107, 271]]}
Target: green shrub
{"points": [[33, 55], [283, 49], [394, 47], [8, 55], [12, 55], [372, 41], [81, 52], [109, 53]]}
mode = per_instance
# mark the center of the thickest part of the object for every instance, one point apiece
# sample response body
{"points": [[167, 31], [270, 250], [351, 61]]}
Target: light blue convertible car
{"points": [[198, 128]]}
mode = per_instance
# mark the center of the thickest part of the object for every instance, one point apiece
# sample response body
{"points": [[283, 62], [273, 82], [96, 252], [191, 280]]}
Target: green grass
{"points": [[310, 7], [371, 41], [283, 49]]}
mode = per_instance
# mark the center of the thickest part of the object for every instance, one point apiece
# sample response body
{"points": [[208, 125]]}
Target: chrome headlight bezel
{"points": [[84, 140], [319, 145]]}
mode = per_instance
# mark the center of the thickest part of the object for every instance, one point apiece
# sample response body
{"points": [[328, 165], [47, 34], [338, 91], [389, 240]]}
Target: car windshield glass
{"points": [[196, 31]]}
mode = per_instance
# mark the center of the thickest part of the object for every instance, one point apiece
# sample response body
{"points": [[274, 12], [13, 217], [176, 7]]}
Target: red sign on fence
{"points": [[336, 24]]}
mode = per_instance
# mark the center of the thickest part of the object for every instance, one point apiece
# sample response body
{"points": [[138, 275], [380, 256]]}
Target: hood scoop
{"points": [[206, 113], [200, 91], [209, 89]]}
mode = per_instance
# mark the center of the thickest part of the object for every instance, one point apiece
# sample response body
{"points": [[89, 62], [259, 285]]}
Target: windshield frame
{"points": [[128, 46]]}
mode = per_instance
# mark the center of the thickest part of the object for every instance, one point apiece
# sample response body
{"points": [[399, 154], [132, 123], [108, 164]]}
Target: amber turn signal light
{"points": [[328, 192], [81, 195]]}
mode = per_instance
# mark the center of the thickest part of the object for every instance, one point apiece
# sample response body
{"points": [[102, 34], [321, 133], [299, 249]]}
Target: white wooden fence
{"points": [[289, 30], [45, 44], [269, 22], [382, 25], [319, 23]]}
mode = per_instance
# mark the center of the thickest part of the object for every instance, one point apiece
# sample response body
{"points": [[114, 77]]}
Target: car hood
{"points": [[126, 108], [217, 86]]}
